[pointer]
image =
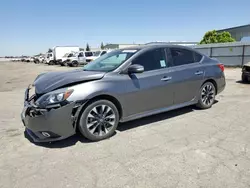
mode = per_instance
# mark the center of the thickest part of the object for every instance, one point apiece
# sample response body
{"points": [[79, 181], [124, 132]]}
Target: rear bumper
{"points": [[221, 84]]}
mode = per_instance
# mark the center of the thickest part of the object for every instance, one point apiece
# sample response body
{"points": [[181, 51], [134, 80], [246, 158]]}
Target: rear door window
{"points": [[197, 57], [182, 56]]}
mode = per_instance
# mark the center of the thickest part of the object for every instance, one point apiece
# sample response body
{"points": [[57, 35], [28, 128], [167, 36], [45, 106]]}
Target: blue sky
{"points": [[29, 27]]}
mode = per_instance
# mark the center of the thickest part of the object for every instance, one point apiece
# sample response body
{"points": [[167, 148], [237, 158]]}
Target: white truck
{"points": [[58, 52]]}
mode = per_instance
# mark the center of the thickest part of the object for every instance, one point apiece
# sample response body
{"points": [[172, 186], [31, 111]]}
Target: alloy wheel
{"points": [[208, 94], [100, 120]]}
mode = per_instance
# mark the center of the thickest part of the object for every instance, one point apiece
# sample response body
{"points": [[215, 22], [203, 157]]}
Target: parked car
{"points": [[246, 73], [49, 59], [80, 58], [39, 59], [119, 86], [29, 59], [98, 54], [67, 57], [89, 56]]}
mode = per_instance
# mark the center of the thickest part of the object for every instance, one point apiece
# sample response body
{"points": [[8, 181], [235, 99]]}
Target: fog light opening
{"points": [[46, 134]]}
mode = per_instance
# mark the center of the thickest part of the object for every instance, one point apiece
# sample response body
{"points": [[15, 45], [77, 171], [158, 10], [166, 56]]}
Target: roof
{"points": [[173, 42], [237, 27], [150, 46]]}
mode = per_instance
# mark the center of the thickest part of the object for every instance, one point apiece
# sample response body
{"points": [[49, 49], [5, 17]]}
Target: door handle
{"points": [[166, 78], [199, 73]]}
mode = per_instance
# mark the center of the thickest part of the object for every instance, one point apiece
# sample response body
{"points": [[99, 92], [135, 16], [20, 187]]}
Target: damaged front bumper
{"points": [[52, 124]]}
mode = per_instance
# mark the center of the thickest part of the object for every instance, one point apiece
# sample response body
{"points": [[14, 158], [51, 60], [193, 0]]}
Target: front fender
{"points": [[91, 89]]}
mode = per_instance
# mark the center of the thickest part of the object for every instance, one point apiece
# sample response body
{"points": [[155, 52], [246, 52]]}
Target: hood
{"points": [[73, 58], [47, 82], [65, 58]]}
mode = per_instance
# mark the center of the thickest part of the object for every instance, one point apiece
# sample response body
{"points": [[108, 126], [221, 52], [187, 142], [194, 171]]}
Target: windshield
{"points": [[88, 54], [97, 53], [109, 61], [70, 55], [49, 55]]}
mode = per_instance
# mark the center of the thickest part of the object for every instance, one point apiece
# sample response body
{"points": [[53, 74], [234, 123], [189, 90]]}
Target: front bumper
{"points": [[246, 74], [89, 60], [63, 63], [47, 125]]}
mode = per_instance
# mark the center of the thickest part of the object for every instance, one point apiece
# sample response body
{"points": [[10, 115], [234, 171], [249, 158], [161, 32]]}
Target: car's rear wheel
{"points": [[99, 120], [206, 95]]}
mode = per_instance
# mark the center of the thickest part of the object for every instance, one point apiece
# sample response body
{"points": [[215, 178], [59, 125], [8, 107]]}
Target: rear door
{"points": [[188, 74]]}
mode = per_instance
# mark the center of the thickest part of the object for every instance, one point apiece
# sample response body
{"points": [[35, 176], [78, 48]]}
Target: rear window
{"points": [[182, 56]]}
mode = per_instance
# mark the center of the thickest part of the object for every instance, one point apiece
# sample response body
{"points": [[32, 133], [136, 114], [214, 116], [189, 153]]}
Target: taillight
{"points": [[221, 66]]}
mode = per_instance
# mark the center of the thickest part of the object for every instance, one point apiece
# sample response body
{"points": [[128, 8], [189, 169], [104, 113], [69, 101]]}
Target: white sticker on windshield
{"points": [[129, 51], [163, 63]]}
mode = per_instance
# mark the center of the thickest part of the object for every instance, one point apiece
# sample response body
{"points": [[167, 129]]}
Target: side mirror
{"points": [[136, 68]]}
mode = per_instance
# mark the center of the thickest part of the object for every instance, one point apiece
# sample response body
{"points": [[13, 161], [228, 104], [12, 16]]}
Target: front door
{"points": [[81, 58], [152, 89]]}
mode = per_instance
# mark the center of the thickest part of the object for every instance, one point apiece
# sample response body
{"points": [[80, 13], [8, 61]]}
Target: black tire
{"points": [[51, 62], [206, 100], [63, 63], [85, 117], [75, 64], [244, 78]]}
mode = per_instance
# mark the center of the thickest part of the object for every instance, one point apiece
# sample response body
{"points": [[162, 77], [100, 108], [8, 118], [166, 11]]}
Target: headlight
{"points": [[54, 98]]}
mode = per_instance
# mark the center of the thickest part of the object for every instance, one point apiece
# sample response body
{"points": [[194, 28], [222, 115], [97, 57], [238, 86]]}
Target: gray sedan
{"points": [[119, 86]]}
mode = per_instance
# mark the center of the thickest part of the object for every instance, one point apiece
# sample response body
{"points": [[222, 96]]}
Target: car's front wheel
{"points": [[244, 78], [75, 64], [206, 95], [99, 120]]}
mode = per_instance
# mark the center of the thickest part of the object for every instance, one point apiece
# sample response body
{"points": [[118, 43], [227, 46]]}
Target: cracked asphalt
{"points": [[183, 148]]}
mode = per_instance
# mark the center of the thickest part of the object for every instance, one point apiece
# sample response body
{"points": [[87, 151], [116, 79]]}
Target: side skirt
{"points": [[158, 111]]}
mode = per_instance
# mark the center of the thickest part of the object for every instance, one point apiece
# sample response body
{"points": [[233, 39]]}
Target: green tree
{"points": [[87, 47], [225, 37], [102, 46], [214, 37]]}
